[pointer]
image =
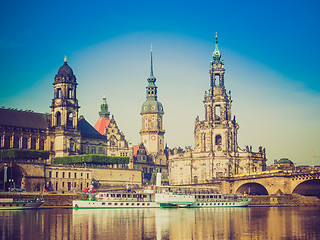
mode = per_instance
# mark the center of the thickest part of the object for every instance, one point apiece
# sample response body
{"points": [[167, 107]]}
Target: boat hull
{"points": [[243, 203], [20, 205], [89, 204]]}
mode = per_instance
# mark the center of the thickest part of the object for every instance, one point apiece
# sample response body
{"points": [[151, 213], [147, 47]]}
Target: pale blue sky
{"points": [[270, 52]]}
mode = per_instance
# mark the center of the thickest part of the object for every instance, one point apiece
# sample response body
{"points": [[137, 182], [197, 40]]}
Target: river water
{"points": [[216, 223]]}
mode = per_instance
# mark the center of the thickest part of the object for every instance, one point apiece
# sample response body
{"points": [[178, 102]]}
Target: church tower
{"points": [[217, 134], [65, 111], [152, 133]]}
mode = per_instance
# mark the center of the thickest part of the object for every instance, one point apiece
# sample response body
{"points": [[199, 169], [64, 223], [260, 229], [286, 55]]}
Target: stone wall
{"points": [[284, 201]]}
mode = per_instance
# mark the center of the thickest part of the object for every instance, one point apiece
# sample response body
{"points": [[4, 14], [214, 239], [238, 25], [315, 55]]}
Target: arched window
{"points": [[33, 143], [25, 143], [71, 145], [58, 118], [58, 93], [217, 111], [93, 150], [70, 120], [218, 140], [195, 179], [41, 144], [7, 142], [16, 142], [217, 80], [70, 93]]}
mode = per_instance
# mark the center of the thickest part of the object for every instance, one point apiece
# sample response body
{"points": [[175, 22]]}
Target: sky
{"points": [[270, 49]]}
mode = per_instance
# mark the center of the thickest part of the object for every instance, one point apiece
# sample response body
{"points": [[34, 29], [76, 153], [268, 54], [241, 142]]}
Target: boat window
{"points": [[135, 195], [148, 204], [138, 204], [112, 195], [121, 204], [132, 204], [103, 203], [118, 195], [109, 203], [211, 196], [142, 204], [124, 195], [115, 203], [127, 204]]}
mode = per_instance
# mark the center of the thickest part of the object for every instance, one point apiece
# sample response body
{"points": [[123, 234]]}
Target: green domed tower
{"points": [[152, 134]]}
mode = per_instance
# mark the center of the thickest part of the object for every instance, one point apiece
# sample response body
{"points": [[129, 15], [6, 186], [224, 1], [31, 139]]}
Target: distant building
{"points": [[216, 153], [117, 145], [283, 163]]}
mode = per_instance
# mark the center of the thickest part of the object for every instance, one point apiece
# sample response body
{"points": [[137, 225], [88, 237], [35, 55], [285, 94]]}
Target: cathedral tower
{"points": [[218, 132], [152, 133], [65, 111], [65, 104]]}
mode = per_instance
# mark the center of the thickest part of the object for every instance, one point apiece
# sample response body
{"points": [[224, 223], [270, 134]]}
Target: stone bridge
{"points": [[305, 183]]}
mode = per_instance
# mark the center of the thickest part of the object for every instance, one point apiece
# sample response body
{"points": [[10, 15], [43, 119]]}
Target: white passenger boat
{"points": [[195, 197], [117, 200], [164, 197]]}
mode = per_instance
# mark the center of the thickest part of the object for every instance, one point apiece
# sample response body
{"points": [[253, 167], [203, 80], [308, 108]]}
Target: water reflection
{"points": [[216, 223]]}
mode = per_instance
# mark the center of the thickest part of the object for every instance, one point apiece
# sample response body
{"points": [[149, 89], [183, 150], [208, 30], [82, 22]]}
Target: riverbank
{"points": [[59, 200]]}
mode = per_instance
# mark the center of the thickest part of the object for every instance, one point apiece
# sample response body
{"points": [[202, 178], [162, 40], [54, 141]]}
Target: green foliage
{"points": [[26, 154], [91, 158]]}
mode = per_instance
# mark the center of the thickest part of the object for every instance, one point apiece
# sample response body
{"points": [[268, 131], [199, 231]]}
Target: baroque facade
{"points": [[62, 132], [117, 145], [216, 153]]}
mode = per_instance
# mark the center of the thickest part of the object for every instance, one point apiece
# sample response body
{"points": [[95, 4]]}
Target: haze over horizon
{"points": [[270, 55]]}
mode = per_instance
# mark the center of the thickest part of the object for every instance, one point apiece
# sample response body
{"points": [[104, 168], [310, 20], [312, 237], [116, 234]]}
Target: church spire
{"points": [[151, 88], [104, 109], [151, 72], [216, 55]]}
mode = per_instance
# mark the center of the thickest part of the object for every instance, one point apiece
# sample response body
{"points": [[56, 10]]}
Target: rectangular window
{"points": [[57, 174], [69, 174], [75, 175], [50, 174], [62, 174]]}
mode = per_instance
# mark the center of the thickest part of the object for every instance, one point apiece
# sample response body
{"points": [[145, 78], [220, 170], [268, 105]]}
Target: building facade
{"points": [[117, 145], [216, 153]]}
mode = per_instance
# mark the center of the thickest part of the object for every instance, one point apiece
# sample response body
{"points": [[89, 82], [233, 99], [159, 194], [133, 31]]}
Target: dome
{"points": [[285, 160], [152, 106], [65, 70], [65, 74]]}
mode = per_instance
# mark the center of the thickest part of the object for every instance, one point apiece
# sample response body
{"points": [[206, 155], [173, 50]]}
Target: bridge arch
{"points": [[15, 176], [310, 187], [252, 188]]}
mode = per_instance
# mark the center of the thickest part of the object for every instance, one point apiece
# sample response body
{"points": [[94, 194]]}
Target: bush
{"points": [[19, 154], [91, 158]]}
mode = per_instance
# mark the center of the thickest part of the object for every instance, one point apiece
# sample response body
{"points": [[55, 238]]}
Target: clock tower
{"points": [[152, 133]]}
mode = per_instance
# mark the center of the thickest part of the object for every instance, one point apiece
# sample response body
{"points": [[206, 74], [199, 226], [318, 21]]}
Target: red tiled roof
{"points": [[102, 124], [136, 148]]}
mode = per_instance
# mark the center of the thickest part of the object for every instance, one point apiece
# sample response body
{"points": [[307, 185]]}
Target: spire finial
{"points": [[65, 59], [151, 72]]}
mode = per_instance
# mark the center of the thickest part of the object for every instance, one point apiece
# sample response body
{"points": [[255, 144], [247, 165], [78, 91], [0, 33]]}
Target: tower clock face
{"points": [[153, 137]]}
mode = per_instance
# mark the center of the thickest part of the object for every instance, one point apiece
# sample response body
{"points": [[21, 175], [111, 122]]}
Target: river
{"points": [[215, 223]]}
